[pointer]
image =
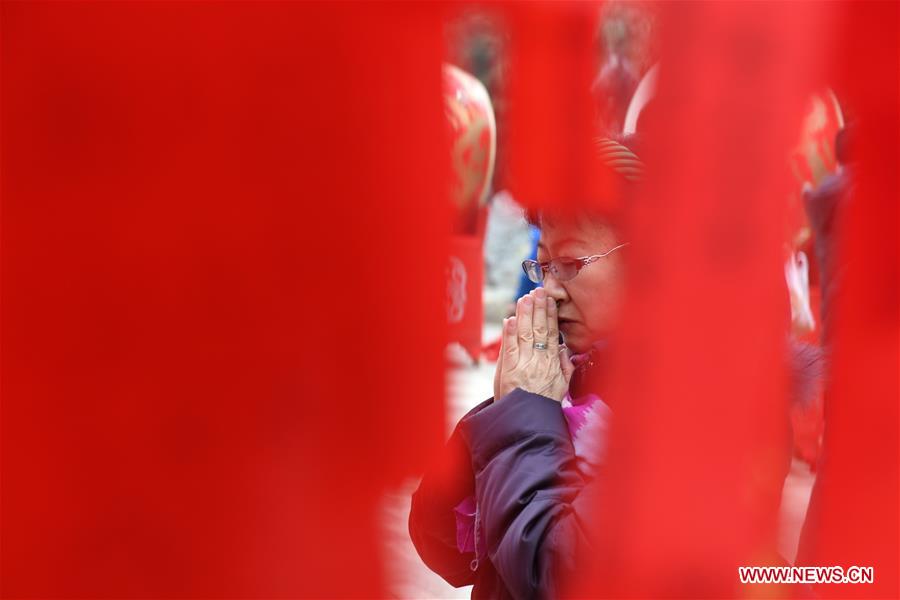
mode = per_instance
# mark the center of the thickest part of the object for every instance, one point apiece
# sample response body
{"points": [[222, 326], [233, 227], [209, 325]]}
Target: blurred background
{"points": [[255, 258]]}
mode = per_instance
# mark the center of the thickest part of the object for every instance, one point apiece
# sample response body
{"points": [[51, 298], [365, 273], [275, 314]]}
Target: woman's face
{"points": [[589, 303]]}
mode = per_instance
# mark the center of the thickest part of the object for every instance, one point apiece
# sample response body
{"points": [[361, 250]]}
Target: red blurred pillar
{"points": [[699, 447], [853, 514], [551, 66], [223, 238]]}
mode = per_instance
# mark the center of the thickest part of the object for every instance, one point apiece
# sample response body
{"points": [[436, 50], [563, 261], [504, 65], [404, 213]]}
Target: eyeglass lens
{"points": [[563, 269], [533, 271]]}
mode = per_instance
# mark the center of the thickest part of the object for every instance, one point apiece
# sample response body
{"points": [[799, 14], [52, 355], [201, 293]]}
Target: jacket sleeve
{"points": [[532, 499], [432, 523]]}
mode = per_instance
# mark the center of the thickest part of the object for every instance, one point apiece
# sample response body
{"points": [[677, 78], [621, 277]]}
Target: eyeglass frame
{"points": [[581, 262]]}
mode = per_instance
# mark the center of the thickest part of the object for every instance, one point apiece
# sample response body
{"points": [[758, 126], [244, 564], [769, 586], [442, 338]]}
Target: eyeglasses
{"points": [[562, 268]]}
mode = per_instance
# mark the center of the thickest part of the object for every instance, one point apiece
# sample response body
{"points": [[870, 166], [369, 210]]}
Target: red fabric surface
{"points": [[224, 227]]}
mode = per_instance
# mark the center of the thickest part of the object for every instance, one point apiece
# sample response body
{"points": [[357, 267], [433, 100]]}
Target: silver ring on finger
{"points": [[540, 346]]}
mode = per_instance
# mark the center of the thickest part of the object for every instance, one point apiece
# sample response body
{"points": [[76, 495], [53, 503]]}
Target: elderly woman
{"points": [[504, 507]]}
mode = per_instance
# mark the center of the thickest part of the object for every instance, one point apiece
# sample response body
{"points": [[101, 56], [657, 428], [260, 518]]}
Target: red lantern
{"points": [[473, 145], [473, 149]]}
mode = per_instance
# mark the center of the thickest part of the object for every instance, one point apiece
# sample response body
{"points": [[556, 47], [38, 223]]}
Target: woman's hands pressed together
{"points": [[531, 357]]}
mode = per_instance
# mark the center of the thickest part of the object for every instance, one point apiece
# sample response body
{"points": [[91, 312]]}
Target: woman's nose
{"points": [[555, 290]]}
